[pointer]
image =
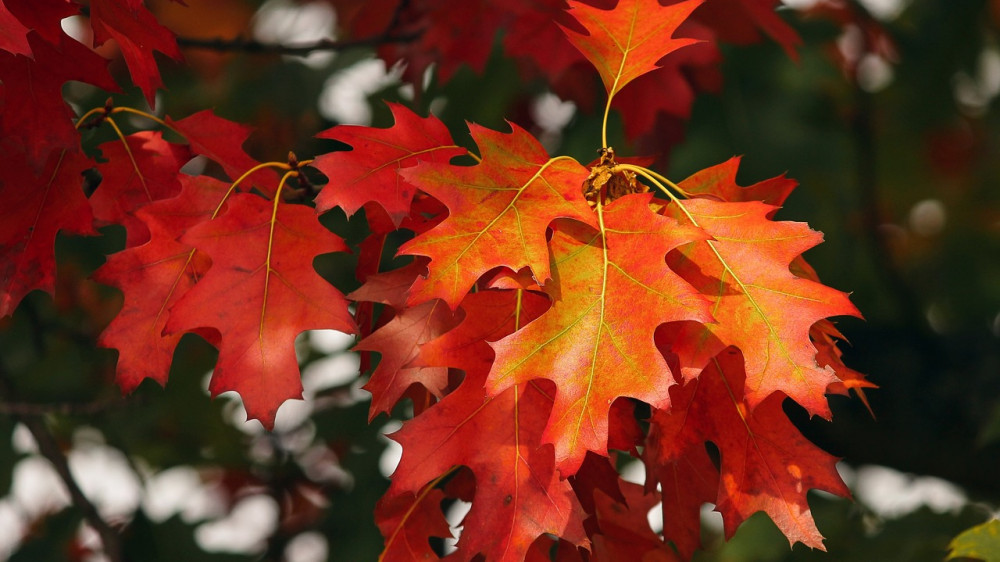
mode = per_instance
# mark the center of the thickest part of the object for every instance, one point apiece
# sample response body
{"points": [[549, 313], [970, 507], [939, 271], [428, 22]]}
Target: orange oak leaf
{"points": [[499, 211], [259, 294], [627, 41], [153, 277], [719, 182], [766, 464], [138, 34], [369, 172], [610, 290], [408, 520], [146, 171], [47, 202], [759, 304]]}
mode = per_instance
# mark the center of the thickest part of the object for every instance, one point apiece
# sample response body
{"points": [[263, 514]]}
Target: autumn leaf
{"points": [[260, 293], [153, 277], [610, 290], [760, 306], [221, 140], [138, 34], [627, 41], [687, 480], [369, 172], [408, 520], [47, 202], [498, 212], [624, 528], [143, 169], [766, 464]]}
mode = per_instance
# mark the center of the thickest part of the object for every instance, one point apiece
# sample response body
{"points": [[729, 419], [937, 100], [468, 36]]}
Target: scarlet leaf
{"points": [[153, 277], [221, 140], [145, 171], [13, 34], [47, 202], [759, 305], [369, 172], [398, 342], [408, 520], [627, 41], [138, 34], [687, 480], [624, 528], [498, 209], [766, 464], [260, 293], [610, 290]]}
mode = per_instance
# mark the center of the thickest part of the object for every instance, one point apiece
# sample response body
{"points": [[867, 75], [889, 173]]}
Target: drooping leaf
{"points": [[369, 172], [624, 528], [138, 34], [766, 464], [498, 212], [760, 306], [259, 294], [147, 171], [627, 41], [46, 202], [610, 290], [153, 277]]}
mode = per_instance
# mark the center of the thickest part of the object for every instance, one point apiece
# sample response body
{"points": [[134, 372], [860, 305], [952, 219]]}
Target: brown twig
{"points": [[260, 48], [49, 448]]}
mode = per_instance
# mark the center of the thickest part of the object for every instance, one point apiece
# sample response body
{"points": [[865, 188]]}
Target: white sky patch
{"points": [[12, 528], [244, 530], [455, 514], [181, 490], [634, 472], [893, 494], [297, 23], [885, 10], [393, 452], [105, 477], [344, 97], [330, 341], [975, 92], [308, 547]]}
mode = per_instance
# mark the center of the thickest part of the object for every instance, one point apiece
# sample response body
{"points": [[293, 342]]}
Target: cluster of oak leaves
{"points": [[539, 308]]}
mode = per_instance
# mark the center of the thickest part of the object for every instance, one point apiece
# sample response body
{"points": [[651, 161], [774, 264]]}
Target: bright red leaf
{"points": [[369, 172], [138, 34], [259, 294]]}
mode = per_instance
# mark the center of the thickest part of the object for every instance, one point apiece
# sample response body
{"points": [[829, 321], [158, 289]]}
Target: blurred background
{"points": [[887, 115]]}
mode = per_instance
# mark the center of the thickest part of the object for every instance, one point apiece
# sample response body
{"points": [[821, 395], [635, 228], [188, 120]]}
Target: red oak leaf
{"points": [[737, 22], [408, 520], [146, 171], [369, 172], [719, 182], [624, 528], [759, 304], [766, 464], [221, 140], [519, 495], [627, 41], [153, 277], [499, 211], [13, 34], [610, 290], [138, 34], [35, 118], [46, 202], [43, 16], [259, 294], [398, 343], [687, 480]]}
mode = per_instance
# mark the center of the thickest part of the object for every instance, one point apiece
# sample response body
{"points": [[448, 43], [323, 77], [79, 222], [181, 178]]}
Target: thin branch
{"points": [[253, 46], [49, 449], [57, 408]]}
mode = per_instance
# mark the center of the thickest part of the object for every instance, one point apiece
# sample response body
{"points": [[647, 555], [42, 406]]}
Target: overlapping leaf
{"points": [[766, 464], [153, 277], [759, 304], [259, 294], [369, 172], [46, 202], [610, 290], [498, 212], [519, 496]]}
